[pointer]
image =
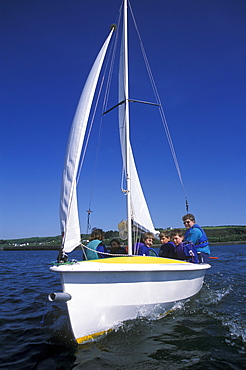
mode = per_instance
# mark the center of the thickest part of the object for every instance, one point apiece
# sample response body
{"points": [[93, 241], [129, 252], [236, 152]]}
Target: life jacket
{"points": [[202, 242], [92, 254], [137, 248], [141, 249], [152, 252], [168, 250], [187, 251]]}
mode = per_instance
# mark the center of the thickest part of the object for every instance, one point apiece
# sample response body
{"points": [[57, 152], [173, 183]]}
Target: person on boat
{"points": [[185, 250], [167, 248], [143, 248], [115, 247], [95, 246], [196, 235]]}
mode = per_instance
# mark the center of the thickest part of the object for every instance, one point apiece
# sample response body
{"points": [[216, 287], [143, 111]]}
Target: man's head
{"points": [[188, 220]]}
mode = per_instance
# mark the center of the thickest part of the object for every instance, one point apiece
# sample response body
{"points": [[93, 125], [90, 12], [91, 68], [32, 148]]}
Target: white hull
{"points": [[106, 292]]}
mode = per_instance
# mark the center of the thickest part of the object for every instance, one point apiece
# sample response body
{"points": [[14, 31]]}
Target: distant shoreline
{"points": [[57, 247], [31, 248]]}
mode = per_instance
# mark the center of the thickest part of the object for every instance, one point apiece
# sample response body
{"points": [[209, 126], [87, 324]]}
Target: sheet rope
{"points": [[105, 253]]}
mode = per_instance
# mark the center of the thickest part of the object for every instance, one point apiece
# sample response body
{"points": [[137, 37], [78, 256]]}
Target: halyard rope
{"points": [[105, 253]]}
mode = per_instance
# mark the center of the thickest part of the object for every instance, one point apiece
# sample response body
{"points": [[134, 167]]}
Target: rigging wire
{"points": [[162, 114], [109, 67]]}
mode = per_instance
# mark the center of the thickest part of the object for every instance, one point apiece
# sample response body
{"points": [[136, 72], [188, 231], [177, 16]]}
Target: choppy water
{"points": [[207, 332]]}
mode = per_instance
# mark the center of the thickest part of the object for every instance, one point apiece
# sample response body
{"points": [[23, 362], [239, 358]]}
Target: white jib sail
{"points": [[139, 210], [69, 218]]}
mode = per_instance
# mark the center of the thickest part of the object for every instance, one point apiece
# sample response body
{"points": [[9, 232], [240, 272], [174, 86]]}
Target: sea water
{"points": [[208, 331]]}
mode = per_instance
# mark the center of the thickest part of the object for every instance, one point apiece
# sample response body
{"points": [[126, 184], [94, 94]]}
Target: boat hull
{"points": [[105, 293]]}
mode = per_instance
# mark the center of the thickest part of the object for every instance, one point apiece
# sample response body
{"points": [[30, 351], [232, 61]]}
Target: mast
{"points": [[127, 133]]}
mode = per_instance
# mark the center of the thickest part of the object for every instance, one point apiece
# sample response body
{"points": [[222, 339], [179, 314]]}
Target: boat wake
{"points": [[215, 296], [152, 317], [219, 304], [236, 327]]}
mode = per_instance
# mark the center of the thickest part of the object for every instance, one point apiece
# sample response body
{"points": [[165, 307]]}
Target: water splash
{"points": [[236, 326]]}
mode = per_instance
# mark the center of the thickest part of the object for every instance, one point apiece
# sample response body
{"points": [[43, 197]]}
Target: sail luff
{"points": [[69, 218]]}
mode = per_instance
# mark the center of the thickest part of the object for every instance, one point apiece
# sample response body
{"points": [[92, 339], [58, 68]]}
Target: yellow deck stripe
{"points": [[137, 259]]}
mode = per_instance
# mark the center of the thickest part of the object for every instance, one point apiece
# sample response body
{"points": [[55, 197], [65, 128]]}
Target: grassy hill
{"points": [[225, 234], [216, 235]]}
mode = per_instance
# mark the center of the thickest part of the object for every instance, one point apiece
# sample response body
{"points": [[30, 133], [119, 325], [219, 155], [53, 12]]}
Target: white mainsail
{"points": [[69, 218], [139, 210]]}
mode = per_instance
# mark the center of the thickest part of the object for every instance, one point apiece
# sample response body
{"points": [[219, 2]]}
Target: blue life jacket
{"points": [[187, 251], [137, 248], [202, 242], [168, 250], [141, 249], [152, 252], [92, 254]]}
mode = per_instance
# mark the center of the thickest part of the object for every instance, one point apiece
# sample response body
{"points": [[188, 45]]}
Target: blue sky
{"points": [[197, 52]]}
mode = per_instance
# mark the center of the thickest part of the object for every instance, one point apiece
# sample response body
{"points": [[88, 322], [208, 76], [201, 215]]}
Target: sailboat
{"points": [[103, 293]]}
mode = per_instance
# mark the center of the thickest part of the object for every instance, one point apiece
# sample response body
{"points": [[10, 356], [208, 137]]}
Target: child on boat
{"points": [[185, 250], [95, 246], [167, 248], [116, 247], [143, 248]]}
